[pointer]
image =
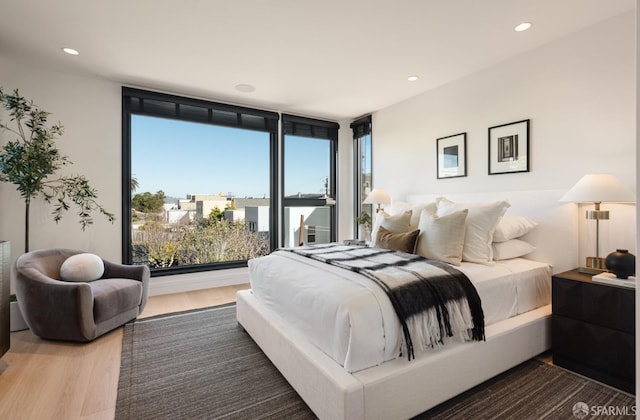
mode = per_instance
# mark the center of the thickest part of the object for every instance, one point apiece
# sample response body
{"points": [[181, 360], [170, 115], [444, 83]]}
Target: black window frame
{"points": [[361, 127], [149, 103], [320, 129]]}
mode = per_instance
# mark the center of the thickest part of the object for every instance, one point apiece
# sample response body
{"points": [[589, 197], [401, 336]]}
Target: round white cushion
{"points": [[82, 267]]}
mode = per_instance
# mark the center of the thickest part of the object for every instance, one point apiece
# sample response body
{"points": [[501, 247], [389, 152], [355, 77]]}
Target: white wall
{"points": [[90, 110], [578, 92]]}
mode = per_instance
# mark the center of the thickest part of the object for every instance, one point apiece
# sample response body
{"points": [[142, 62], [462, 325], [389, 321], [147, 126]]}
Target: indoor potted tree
{"points": [[30, 161]]}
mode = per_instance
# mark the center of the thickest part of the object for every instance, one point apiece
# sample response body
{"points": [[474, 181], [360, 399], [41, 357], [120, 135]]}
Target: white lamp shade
{"points": [[377, 196], [594, 188]]}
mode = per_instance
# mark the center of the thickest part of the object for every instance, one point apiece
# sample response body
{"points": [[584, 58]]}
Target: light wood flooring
{"points": [[42, 379]]}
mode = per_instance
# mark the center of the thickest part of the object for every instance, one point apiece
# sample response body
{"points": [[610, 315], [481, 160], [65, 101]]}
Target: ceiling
{"points": [[334, 59]]}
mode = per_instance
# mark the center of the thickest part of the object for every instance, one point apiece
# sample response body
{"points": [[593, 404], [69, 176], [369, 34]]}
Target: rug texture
{"points": [[535, 390], [201, 365]]}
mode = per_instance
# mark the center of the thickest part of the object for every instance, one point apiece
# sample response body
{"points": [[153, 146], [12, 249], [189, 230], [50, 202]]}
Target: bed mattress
{"points": [[352, 320]]}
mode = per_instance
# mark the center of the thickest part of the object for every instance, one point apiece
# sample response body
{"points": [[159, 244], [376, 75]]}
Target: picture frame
{"points": [[509, 148], [452, 156]]}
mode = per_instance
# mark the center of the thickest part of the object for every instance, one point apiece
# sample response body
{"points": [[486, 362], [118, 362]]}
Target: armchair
{"points": [[77, 311]]}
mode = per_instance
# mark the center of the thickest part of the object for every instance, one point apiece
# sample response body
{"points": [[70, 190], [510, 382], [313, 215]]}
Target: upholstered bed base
{"points": [[396, 389]]}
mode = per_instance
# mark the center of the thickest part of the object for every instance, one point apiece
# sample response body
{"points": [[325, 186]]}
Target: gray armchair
{"points": [[77, 311]]}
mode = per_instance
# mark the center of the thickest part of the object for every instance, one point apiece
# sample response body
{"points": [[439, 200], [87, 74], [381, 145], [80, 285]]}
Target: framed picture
{"points": [[452, 156], [509, 148]]}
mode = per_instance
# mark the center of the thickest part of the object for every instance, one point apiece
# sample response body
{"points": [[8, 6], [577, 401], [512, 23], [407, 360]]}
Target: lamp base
{"points": [[594, 265]]}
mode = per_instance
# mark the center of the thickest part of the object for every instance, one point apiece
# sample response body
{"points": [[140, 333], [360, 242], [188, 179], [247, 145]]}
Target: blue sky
{"points": [[183, 158]]}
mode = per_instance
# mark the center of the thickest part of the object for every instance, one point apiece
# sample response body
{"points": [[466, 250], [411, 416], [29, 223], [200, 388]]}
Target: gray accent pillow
{"points": [[442, 238]]}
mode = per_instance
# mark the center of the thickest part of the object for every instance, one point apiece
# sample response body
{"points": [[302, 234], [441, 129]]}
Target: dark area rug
{"points": [[201, 365], [536, 390]]}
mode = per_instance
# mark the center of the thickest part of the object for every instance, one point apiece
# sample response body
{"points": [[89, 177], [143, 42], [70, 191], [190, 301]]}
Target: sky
{"points": [[183, 158]]}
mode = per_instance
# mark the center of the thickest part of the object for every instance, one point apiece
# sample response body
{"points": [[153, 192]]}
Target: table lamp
{"points": [[598, 189], [377, 196]]}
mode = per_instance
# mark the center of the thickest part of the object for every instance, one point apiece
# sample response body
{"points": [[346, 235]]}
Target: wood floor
{"points": [[42, 379]]}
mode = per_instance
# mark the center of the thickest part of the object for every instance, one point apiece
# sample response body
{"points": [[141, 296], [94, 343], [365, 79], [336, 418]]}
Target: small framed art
{"points": [[452, 156], [509, 148]]}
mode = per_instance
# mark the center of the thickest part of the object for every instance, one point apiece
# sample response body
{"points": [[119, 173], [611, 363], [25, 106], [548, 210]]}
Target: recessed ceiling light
{"points": [[244, 87], [522, 26], [70, 51], [413, 78]]}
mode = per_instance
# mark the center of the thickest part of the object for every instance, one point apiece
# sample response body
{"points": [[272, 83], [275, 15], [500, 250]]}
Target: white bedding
{"points": [[353, 321]]}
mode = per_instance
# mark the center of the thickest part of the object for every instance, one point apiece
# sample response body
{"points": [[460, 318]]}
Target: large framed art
{"points": [[452, 156], [509, 148]]}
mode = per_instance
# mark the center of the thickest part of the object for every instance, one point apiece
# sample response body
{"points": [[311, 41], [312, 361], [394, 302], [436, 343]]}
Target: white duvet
{"points": [[352, 320]]}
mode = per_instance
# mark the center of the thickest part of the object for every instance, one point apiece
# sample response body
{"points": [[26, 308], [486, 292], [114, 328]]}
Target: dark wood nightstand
{"points": [[593, 329]]}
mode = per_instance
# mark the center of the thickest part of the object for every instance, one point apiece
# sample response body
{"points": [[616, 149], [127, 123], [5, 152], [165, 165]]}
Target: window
{"points": [[362, 166], [199, 182], [309, 150], [201, 188]]}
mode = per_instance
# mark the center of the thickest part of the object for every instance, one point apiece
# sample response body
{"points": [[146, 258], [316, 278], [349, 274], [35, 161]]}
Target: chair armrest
{"points": [[134, 272], [45, 301]]}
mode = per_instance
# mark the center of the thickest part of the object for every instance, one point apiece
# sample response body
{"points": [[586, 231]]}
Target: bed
{"points": [[338, 382]]}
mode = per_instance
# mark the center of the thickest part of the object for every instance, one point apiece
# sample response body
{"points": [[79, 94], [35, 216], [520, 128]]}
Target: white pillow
{"points": [[398, 207], [481, 223], [442, 238], [513, 248], [396, 223], [512, 226], [82, 267]]}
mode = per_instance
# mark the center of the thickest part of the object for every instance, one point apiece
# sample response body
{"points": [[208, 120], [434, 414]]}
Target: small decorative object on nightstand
{"points": [[364, 226], [593, 329], [611, 278], [621, 263]]}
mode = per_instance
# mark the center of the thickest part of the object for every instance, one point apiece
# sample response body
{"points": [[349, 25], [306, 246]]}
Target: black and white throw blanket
{"points": [[432, 299]]}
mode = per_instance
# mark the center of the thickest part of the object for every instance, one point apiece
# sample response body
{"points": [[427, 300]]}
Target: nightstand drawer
{"points": [[604, 349], [599, 304], [593, 329]]}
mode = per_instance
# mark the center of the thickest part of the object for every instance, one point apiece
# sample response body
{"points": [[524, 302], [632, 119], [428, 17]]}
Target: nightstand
{"points": [[593, 329]]}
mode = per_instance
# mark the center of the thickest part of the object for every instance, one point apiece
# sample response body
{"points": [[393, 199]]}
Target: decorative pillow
{"points": [[442, 238], [480, 224], [512, 226], [398, 207], [396, 224], [82, 267], [513, 248], [405, 241]]}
